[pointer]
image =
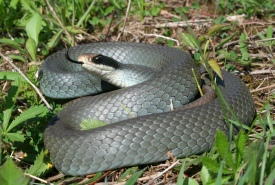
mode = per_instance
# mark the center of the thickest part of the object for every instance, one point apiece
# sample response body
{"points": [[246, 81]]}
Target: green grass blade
{"points": [[81, 20], [180, 179], [270, 180], [55, 39], [219, 176], [245, 176], [133, 179], [91, 124], [13, 44], [127, 173]]}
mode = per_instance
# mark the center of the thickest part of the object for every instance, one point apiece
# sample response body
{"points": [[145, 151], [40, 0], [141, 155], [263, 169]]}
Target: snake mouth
{"points": [[71, 60]]}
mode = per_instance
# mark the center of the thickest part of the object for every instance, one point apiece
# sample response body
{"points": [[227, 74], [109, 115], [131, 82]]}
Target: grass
{"points": [[242, 44]]}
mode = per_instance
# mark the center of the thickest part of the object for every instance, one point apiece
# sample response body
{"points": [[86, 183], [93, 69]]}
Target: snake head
{"points": [[98, 65], [98, 61]]}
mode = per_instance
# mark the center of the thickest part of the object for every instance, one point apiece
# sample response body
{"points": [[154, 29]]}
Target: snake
{"points": [[140, 128]]}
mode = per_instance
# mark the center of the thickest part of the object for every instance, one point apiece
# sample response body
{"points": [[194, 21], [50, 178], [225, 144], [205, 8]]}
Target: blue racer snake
{"points": [[155, 130]]}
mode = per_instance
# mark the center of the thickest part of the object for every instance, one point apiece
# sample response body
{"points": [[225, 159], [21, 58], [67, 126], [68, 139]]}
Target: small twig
{"points": [[111, 183], [148, 177], [39, 179], [183, 23], [160, 174], [109, 26], [260, 85], [263, 88], [161, 36], [55, 177], [26, 78], [264, 40], [266, 71], [125, 20], [59, 21]]}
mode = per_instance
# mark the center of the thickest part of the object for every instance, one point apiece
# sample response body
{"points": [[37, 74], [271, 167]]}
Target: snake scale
{"points": [[154, 130]]}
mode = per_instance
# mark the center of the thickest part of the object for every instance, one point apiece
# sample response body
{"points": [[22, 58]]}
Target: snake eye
{"points": [[98, 59], [105, 60]]}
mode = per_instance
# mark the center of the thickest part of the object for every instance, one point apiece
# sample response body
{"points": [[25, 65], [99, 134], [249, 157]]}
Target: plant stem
{"points": [[81, 20]]}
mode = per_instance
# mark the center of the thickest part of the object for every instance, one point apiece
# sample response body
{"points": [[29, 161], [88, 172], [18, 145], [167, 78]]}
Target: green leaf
{"points": [[17, 57], [31, 47], [40, 166], [240, 144], [189, 40], [205, 175], [27, 114], [189, 181], [13, 44], [245, 60], [34, 27], [214, 29], [222, 145], [132, 180], [10, 101], [155, 11], [55, 39], [127, 173], [210, 164], [7, 116], [224, 41], [9, 75], [253, 155], [11, 175], [261, 35], [215, 66], [95, 21], [72, 29], [213, 165], [91, 123], [26, 4], [232, 56], [18, 136], [96, 177], [13, 3], [269, 32]]}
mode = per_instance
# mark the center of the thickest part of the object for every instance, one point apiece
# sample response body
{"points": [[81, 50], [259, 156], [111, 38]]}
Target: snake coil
{"points": [[154, 130]]}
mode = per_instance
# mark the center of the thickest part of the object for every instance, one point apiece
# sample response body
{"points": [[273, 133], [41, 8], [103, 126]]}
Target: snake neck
{"points": [[114, 72]]}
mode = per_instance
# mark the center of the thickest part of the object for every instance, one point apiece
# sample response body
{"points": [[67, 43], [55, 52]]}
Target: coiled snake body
{"points": [[154, 130]]}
